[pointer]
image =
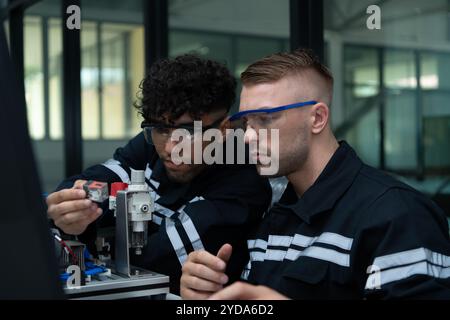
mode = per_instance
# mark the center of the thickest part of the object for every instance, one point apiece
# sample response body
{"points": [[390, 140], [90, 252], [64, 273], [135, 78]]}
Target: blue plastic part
{"points": [[91, 269], [239, 115]]}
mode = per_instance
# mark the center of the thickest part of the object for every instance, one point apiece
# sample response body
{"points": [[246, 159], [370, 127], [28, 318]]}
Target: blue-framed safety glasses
{"points": [[263, 118]]}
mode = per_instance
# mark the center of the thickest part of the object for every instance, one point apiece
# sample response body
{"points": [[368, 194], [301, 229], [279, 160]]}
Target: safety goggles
{"points": [[157, 133], [263, 118]]}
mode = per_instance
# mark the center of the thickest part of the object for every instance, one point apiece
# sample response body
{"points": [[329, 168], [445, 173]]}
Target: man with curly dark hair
{"points": [[181, 90], [200, 207]]}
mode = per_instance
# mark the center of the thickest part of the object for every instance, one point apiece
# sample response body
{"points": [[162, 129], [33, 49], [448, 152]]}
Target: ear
{"points": [[320, 114]]}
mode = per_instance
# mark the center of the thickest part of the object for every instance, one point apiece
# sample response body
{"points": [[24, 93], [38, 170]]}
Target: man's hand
{"points": [[70, 210], [204, 273], [245, 291]]}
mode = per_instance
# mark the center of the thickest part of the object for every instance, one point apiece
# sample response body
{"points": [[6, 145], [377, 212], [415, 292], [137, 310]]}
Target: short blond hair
{"points": [[279, 65]]}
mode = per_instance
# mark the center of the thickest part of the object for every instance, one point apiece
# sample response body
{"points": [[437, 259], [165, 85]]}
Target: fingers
{"points": [[203, 274], [71, 223], [245, 291], [236, 291], [201, 271], [207, 259], [79, 184], [65, 195], [200, 284], [225, 252], [189, 294], [91, 213], [56, 210], [71, 211]]}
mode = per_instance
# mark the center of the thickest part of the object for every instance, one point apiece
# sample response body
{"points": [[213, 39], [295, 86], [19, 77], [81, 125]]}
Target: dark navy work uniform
{"points": [[355, 233], [219, 206]]}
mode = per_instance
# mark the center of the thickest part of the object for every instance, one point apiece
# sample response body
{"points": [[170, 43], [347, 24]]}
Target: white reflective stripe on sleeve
{"points": [[246, 271], [156, 219], [280, 241], [175, 240], [411, 256], [115, 167], [275, 255], [168, 212], [303, 241], [148, 174], [292, 254], [196, 199], [245, 274], [378, 279], [164, 211], [329, 255], [191, 231], [326, 237], [257, 243], [335, 240], [257, 256]]}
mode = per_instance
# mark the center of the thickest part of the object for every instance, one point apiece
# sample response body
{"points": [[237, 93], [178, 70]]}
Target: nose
{"points": [[250, 135], [169, 145]]}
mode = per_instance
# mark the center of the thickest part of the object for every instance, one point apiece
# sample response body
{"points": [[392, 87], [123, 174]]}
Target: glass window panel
{"points": [[399, 69], [115, 72], [360, 99], [403, 22], [251, 49], [364, 136], [361, 78], [129, 11], [90, 109], [55, 75], [436, 133], [122, 70], [435, 103], [434, 71], [49, 152], [113, 82], [266, 18], [34, 76], [436, 129], [361, 67], [136, 67], [209, 45], [429, 76], [400, 130], [408, 27]]}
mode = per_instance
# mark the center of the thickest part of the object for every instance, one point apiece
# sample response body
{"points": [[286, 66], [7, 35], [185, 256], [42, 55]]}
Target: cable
{"points": [[71, 253]]}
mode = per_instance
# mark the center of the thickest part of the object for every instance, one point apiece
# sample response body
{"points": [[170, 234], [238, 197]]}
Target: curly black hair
{"points": [[186, 83]]}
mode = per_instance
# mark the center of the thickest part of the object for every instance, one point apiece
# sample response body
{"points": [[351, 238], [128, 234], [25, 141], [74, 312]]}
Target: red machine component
{"points": [[117, 186]]}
